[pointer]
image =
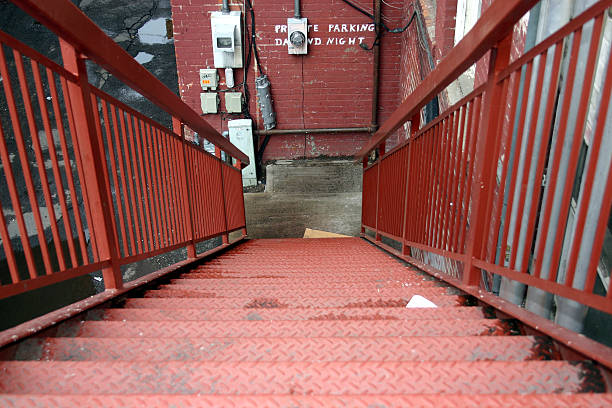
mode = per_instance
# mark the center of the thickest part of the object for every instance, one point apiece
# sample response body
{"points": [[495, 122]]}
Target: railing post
{"points": [[238, 165], [485, 160], [365, 164], [179, 129], [415, 124], [92, 151], [225, 235], [381, 148]]}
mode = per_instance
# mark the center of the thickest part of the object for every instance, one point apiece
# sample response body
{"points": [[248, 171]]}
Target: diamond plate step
{"points": [[299, 283], [509, 348], [338, 378], [383, 313], [171, 302], [347, 328], [336, 276], [244, 291], [283, 401]]}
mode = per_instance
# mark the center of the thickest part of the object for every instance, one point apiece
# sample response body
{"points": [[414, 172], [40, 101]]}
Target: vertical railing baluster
{"points": [[225, 235], [363, 195], [92, 151], [381, 153], [415, 124], [179, 129], [485, 163], [238, 165]]}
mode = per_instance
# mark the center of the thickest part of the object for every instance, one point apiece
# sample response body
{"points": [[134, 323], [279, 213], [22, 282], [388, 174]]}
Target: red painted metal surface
{"points": [[339, 378], [323, 328], [234, 200], [373, 313], [368, 201], [138, 189], [494, 25], [366, 401], [10, 336], [266, 303], [282, 292], [332, 281], [505, 182], [242, 326], [271, 348], [68, 22], [392, 192], [323, 349]]}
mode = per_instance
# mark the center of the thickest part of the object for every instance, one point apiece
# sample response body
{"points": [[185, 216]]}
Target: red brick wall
{"points": [[414, 66], [446, 13], [329, 87]]}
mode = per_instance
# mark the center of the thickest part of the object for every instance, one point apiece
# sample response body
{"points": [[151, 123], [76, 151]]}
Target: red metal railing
{"points": [[103, 185], [514, 182]]}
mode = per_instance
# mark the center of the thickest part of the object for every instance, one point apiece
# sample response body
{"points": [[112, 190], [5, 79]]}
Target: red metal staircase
{"points": [[295, 323]]}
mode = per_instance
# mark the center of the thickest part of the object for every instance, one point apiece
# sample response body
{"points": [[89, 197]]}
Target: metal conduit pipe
{"points": [[363, 129], [375, 76], [225, 7], [296, 9]]}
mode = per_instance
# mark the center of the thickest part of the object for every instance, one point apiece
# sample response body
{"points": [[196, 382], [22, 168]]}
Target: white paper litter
{"points": [[420, 301]]}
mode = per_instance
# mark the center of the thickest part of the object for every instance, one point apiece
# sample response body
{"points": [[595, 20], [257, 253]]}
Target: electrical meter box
{"points": [[297, 34], [209, 79], [241, 135], [227, 39], [233, 102], [209, 102]]}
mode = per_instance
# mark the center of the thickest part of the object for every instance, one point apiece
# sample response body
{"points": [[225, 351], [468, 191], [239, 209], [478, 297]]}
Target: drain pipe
{"points": [[375, 77], [225, 7]]}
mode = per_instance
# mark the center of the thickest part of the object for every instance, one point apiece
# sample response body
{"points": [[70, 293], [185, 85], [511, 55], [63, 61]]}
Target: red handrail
{"points": [[494, 25], [71, 24], [121, 187], [491, 184]]}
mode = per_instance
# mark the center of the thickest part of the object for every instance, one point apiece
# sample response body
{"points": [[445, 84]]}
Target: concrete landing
{"points": [[317, 194], [280, 215]]}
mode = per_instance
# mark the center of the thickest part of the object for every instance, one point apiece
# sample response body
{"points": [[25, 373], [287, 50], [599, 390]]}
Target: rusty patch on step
{"points": [[466, 300], [265, 303], [590, 377], [378, 303], [507, 327], [543, 348], [342, 316], [489, 312]]}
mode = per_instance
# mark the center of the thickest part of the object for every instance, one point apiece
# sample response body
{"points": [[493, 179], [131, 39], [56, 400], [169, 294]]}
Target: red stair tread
{"points": [[283, 401], [314, 270], [382, 313], [295, 322], [484, 377], [271, 303], [348, 328], [336, 276], [507, 348], [243, 291], [299, 283]]}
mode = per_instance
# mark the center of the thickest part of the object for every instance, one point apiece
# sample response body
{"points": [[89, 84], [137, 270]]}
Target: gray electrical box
{"points": [[241, 135], [233, 102], [227, 39], [209, 79], [209, 102], [297, 34]]}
